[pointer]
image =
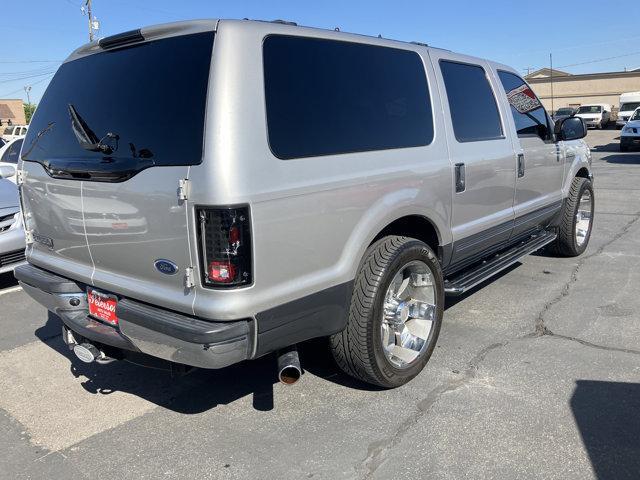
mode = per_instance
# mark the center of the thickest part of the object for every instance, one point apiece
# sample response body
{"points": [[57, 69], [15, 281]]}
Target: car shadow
{"points": [[166, 384], [607, 415], [624, 159], [609, 147], [7, 280]]}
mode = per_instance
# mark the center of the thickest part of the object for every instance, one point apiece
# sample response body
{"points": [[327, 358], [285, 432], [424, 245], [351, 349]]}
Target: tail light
{"points": [[225, 244]]}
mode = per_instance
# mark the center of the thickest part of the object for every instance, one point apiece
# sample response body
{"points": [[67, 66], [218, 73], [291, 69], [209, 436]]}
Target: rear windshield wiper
{"points": [[87, 138]]}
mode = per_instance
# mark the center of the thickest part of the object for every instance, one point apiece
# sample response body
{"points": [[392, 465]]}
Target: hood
{"points": [[633, 124], [8, 194]]}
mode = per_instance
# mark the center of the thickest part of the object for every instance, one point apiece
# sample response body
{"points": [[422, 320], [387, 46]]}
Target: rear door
{"points": [[103, 166], [481, 154], [540, 158]]}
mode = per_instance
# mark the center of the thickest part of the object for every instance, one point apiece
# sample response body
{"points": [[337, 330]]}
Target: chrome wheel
{"points": [[409, 314], [583, 218]]}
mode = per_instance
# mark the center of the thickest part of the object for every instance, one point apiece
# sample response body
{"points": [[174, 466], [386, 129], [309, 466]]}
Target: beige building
{"points": [[11, 111], [575, 90]]}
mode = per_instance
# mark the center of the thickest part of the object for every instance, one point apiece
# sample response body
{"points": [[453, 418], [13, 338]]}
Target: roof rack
{"points": [[420, 43], [285, 22]]}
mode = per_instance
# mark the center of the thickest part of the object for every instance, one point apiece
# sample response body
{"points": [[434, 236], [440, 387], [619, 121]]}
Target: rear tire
{"points": [[362, 348], [572, 240]]}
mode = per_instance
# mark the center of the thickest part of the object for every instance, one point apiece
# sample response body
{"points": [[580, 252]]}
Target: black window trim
{"points": [[550, 137], [495, 99], [266, 122]]}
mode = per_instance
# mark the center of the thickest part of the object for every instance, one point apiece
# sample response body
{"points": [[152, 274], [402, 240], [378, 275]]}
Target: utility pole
{"points": [[94, 25], [551, 69], [27, 89]]}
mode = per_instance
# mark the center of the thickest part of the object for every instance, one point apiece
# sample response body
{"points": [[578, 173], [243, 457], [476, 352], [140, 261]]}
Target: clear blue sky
{"points": [[517, 33]]}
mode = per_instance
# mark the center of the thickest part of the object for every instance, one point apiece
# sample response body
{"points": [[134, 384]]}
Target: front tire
{"points": [[576, 221], [395, 314]]}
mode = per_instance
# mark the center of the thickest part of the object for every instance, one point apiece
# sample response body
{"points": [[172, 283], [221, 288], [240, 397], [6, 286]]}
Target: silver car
{"points": [[12, 241], [325, 184]]}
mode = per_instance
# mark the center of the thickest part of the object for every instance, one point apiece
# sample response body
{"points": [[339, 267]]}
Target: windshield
{"points": [[590, 109], [564, 111], [113, 112], [629, 107], [8, 131]]}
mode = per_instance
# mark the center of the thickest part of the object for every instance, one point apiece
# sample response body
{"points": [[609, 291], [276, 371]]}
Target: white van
{"points": [[628, 103], [596, 115]]}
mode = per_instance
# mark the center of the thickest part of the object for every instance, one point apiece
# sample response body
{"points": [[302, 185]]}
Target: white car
{"points": [[630, 135], [14, 131], [628, 103], [596, 115], [10, 153]]}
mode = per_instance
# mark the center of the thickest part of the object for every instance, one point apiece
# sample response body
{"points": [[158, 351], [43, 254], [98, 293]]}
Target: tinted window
{"points": [[11, 155], [114, 110], [626, 107], [528, 113], [590, 109], [474, 111], [325, 97]]}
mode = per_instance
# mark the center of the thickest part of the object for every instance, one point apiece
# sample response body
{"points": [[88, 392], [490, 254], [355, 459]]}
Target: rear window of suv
{"points": [[327, 97], [121, 106]]}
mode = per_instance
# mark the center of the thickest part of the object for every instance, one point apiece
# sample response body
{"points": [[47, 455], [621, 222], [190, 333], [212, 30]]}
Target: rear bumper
{"points": [[142, 328]]}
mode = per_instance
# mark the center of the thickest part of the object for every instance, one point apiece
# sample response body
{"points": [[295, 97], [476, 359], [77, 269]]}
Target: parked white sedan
{"points": [[10, 154]]}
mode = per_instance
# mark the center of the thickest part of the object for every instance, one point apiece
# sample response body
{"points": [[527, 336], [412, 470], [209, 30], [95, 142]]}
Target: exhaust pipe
{"points": [[289, 370]]}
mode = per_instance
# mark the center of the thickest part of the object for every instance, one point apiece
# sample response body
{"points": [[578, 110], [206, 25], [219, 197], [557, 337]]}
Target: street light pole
{"points": [[27, 89], [93, 22]]}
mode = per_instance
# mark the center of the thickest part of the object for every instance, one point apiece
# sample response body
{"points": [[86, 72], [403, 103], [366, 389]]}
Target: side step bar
{"points": [[480, 272]]}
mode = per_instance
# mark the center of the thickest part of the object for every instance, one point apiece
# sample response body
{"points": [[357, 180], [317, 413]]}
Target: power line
{"points": [[600, 60], [30, 61], [26, 77], [5, 95]]}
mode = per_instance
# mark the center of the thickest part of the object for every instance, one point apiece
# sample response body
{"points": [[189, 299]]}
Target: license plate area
{"points": [[102, 306]]}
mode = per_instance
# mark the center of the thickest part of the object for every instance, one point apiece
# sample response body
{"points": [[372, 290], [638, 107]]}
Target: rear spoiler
{"points": [[132, 36]]}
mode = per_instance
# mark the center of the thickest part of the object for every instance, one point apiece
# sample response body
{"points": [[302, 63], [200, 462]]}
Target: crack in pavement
{"points": [[540, 327], [376, 451]]}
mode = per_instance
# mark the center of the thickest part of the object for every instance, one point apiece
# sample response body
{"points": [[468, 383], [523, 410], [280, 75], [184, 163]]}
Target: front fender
{"points": [[577, 157]]}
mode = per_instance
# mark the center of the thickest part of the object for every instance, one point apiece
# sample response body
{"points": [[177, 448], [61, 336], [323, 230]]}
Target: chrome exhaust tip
{"points": [[289, 370]]}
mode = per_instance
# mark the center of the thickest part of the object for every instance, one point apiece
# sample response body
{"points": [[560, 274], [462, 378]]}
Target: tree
{"points": [[29, 108]]}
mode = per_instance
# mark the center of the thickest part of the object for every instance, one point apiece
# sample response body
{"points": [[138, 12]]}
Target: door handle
{"points": [[460, 178], [520, 165]]}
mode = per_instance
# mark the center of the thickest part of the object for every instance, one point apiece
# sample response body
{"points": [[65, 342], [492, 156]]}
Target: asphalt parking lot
{"points": [[536, 375]]}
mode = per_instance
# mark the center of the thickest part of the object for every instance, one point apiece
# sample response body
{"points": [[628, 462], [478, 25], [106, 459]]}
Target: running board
{"points": [[477, 274]]}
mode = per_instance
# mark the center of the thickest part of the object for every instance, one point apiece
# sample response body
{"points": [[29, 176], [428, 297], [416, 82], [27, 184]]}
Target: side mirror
{"points": [[571, 128], [7, 171]]}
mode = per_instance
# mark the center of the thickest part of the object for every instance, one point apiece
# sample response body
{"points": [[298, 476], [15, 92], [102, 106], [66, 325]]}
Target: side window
{"points": [[8, 131], [326, 97], [12, 153], [474, 111], [528, 113]]}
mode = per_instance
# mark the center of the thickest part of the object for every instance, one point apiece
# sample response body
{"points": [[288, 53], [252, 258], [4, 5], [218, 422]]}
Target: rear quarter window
{"points": [[326, 97]]}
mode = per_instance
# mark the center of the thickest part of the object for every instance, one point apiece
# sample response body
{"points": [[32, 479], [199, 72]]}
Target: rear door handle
{"points": [[460, 178], [520, 165]]}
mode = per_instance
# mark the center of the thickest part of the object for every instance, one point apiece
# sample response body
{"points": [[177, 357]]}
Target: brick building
{"points": [[11, 109], [575, 90]]}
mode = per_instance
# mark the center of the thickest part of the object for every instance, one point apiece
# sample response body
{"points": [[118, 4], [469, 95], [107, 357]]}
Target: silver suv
{"points": [[325, 185]]}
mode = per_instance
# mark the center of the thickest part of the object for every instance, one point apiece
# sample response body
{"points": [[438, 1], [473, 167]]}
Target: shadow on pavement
{"points": [[200, 390], [7, 280], [609, 147], [608, 417], [624, 159]]}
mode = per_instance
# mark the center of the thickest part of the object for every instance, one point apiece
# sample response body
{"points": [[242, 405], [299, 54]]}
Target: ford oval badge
{"points": [[166, 266]]}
